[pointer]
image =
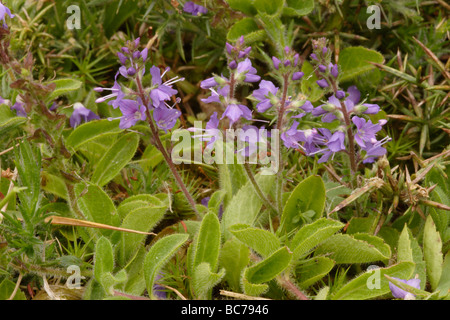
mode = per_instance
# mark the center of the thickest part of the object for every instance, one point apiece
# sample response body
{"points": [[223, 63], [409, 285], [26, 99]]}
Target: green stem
{"points": [[281, 110], [257, 188], [163, 150]]}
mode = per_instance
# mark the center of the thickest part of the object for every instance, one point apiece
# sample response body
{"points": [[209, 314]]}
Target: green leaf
{"points": [[354, 61], [204, 279], [309, 86], [298, 8], [234, 257], [6, 290], [115, 159], [103, 262], [245, 6], [54, 184], [432, 251], [243, 27], [246, 204], [262, 241], [358, 248], [96, 205], [207, 243], [269, 268], [158, 256], [63, 87], [373, 283], [90, 131], [8, 120], [304, 205], [311, 235], [313, 270], [117, 13], [28, 163], [444, 282], [140, 219], [404, 251], [271, 7]]}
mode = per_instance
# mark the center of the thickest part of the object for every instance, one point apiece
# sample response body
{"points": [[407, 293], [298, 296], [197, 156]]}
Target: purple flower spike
{"points": [[166, 118], [323, 83], [235, 111], [297, 75], [3, 12], [194, 9], [402, 294], [81, 114]]}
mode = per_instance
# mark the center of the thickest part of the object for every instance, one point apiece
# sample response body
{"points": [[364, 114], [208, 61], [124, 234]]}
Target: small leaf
{"points": [[245, 6], [142, 219], [158, 255], [204, 279], [234, 257], [207, 243], [246, 204], [354, 61], [269, 268], [312, 271], [96, 205], [444, 282], [6, 290], [90, 131], [432, 251], [243, 27], [298, 8], [311, 235], [63, 87], [309, 84], [309, 195], [103, 262], [404, 251], [262, 241], [115, 159], [358, 248], [271, 7], [373, 283]]}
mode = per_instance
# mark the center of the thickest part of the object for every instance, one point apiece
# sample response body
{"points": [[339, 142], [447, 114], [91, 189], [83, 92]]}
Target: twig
{"points": [[16, 288]]}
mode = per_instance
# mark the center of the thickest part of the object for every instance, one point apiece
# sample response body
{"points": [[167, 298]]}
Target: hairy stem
{"points": [[257, 188], [281, 110], [163, 150]]}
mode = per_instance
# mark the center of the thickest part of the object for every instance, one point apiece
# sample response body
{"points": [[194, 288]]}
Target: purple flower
{"points": [[81, 114], [215, 95], [235, 111], [297, 75], [335, 71], [306, 107], [209, 83], [166, 118], [116, 93], [158, 290], [353, 99], [334, 143], [194, 9], [162, 91], [245, 70], [252, 135], [3, 12], [402, 294], [375, 150], [276, 62], [263, 95], [292, 136], [366, 130], [132, 112], [211, 133], [322, 83]]}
